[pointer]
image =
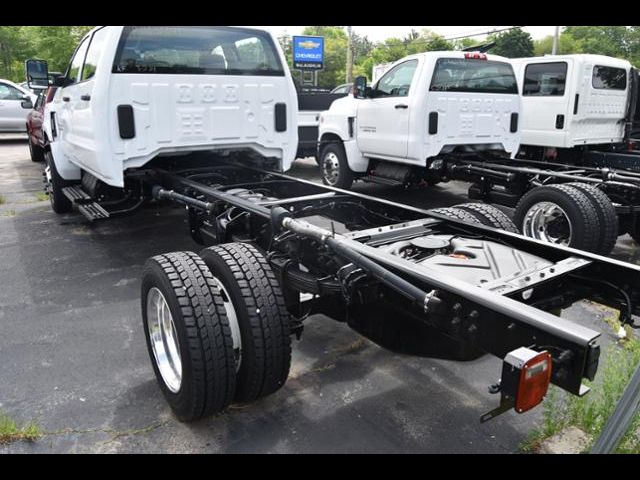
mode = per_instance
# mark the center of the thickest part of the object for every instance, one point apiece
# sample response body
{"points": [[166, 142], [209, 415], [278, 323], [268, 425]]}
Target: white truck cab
{"points": [[425, 106], [134, 93], [573, 100]]}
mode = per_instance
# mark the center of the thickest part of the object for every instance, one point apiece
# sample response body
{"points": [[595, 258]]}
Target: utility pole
{"points": [[349, 56], [556, 41]]}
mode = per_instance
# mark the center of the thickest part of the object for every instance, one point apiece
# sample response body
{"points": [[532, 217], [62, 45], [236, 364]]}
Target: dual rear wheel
{"points": [[217, 328], [576, 215]]}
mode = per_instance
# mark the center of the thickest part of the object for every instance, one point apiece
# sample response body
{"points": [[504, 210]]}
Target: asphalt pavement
{"points": [[73, 356]]}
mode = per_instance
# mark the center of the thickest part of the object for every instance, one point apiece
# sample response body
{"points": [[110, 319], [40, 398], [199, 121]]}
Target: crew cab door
{"points": [[383, 120], [77, 118], [546, 104], [70, 104]]}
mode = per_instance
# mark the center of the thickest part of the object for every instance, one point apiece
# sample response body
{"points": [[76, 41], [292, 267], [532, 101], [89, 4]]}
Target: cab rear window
{"points": [[609, 78], [197, 51], [473, 76]]}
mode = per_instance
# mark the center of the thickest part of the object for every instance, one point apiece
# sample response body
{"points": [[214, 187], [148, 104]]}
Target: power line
{"points": [[483, 33], [475, 31], [424, 41]]}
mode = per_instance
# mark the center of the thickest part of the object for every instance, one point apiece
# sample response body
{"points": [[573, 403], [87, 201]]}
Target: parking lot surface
{"points": [[73, 356]]}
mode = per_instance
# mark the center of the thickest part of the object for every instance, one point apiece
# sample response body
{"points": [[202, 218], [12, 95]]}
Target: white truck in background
{"points": [[573, 101], [310, 107], [580, 116], [556, 148], [424, 107]]}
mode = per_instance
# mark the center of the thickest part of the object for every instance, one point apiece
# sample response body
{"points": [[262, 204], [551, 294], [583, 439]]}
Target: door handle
{"points": [[85, 98], [402, 107], [66, 99]]}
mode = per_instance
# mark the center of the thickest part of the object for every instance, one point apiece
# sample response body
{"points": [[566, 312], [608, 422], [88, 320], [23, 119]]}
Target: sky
{"points": [[378, 34]]}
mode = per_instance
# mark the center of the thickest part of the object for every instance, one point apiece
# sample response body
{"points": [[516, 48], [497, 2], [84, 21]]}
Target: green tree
{"points": [[514, 43], [52, 43], [12, 44], [464, 43], [393, 49], [566, 46], [56, 44], [614, 41]]}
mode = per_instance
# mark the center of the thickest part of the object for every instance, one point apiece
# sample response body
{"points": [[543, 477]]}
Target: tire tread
{"points": [[208, 334], [268, 317]]}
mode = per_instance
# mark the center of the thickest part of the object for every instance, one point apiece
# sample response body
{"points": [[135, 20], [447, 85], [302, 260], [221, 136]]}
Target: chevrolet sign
{"points": [[308, 53]]}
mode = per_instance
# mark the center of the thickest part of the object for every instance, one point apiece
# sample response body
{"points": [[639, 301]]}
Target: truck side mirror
{"points": [[360, 87], [37, 74], [27, 104]]}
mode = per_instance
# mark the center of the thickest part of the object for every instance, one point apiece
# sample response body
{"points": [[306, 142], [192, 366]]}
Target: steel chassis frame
{"points": [[520, 175], [376, 292]]}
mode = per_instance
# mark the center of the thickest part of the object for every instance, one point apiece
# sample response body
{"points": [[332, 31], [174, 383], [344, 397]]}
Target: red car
{"points": [[34, 125]]}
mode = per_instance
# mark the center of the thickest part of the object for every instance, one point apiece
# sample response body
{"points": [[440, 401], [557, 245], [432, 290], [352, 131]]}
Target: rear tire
{"points": [[36, 152], [559, 214], [455, 214], [490, 216], [188, 335], [334, 167], [258, 305], [609, 225], [55, 183]]}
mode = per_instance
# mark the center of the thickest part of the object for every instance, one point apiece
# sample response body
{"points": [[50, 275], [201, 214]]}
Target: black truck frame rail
{"points": [[332, 248], [518, 176]]}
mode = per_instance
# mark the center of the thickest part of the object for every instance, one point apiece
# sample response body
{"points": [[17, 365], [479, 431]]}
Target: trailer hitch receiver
{"points": [[526, 375]]}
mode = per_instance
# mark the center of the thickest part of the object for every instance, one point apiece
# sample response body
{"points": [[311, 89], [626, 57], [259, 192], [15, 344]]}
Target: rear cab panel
{"points": [[188, 89], [572, 100], [475, 97]]}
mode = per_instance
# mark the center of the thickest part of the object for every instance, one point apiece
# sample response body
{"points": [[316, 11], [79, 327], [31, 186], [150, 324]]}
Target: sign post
{"points": [[308, 56]]}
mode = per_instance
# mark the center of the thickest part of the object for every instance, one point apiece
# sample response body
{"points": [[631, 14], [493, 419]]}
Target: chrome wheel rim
{"points": [[164, 340], [548, 222], [331, 168], [232, 316]]}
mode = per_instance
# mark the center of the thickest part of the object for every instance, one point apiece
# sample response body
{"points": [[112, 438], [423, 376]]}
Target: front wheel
{"points": [[335, 167], [559, 214]]}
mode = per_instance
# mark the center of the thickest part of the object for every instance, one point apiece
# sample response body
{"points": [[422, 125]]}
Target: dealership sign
{"points": [[308, 53]]}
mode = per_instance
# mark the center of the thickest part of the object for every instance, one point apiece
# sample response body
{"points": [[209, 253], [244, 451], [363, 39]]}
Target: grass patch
{"points": [[10, 432], [8, 213], [42, 197], [3, 199], [591, 412]]}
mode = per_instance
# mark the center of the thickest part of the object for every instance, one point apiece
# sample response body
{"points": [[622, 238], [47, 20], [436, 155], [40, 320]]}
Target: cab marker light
{"points": [[475, 56]]}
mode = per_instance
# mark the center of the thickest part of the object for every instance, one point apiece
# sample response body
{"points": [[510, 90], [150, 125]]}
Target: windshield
{"points": [[473, 76], [197, 51]]}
